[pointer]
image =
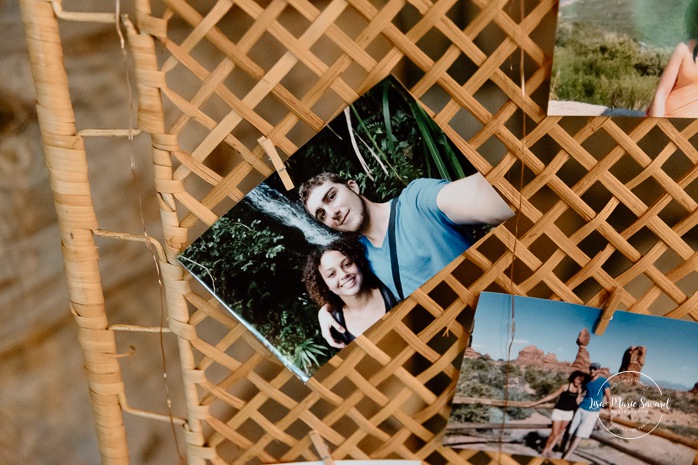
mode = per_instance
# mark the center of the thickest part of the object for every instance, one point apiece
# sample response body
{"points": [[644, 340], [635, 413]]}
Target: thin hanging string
{"points": [[205, 268], [512, 309], [149, 245], [522, 79]]}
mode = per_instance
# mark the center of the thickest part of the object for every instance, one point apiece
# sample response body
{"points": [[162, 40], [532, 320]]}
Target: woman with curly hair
{"points": [[338, 278]]}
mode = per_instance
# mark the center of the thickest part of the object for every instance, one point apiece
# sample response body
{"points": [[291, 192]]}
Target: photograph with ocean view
{"points": [[382, 201]]}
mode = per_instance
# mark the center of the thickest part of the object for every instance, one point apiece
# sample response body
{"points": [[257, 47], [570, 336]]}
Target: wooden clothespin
{"points": [[279, 166], [609, 309], [321, 447]]}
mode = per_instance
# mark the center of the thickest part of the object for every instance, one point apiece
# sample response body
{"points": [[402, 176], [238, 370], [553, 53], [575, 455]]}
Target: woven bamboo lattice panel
{"points": [[605, 206]]}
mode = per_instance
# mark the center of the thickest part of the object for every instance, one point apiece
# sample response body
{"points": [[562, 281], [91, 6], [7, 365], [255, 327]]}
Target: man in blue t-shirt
{"points": [[427, 215], [597, 395]]}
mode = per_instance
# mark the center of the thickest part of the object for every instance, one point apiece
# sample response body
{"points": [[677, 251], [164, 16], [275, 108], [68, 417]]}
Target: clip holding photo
{"points": [[279, 165], [608, 311]]}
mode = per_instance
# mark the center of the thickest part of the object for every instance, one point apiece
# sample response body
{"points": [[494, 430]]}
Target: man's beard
{"points": [[363, 216]]}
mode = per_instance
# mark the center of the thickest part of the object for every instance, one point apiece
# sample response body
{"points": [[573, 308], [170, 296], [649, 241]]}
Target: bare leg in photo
{"points": [[573, 447]]}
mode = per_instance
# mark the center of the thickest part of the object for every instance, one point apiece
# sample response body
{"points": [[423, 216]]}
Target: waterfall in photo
{"points": [[272, 203]]}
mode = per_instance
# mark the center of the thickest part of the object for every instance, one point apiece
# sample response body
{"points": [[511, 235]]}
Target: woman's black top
{"points": [[346, 337], [567, 400]]}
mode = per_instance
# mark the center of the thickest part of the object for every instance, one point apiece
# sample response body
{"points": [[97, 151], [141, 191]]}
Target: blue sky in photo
{"points": [[553, 327]]}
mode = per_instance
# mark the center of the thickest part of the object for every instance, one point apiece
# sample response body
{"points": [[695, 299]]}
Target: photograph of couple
{"points": [[382, 201], [536, 380]]}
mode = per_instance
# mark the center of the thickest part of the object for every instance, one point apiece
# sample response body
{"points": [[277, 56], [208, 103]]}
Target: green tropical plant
{"points": [[242, 256]]}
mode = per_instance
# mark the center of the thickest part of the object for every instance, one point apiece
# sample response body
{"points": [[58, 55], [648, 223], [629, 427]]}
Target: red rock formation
{"points": [[532, 355], [582, 360], [632, 363], [583, 338], [471, 353]]}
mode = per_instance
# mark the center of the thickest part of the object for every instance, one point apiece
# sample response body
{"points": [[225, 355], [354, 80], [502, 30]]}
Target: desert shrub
{"points": [[517, 413], [683, 401], [478, 413], [543, 382], [471, 413], [474, 413], [485, 378], [484, 372], [473, 388], [515, 370], [477, 364]]}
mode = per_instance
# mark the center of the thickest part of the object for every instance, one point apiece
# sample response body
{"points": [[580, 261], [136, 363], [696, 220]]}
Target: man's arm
{"points": [[472, 200], [327, 322]]}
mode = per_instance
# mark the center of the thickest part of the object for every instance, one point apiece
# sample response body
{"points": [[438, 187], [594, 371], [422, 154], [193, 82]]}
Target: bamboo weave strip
{"points": [[66, 160]]}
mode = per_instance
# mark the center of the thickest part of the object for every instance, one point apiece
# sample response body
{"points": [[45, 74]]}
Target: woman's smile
{"points": [[340, 273], [349, 282]]}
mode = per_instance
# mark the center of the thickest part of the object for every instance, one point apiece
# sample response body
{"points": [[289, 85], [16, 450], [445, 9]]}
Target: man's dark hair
{"points": [[307, 187], [315, 284]]}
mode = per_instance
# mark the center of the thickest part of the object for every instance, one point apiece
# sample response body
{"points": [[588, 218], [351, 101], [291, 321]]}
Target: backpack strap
{"points": [[394, 265]]}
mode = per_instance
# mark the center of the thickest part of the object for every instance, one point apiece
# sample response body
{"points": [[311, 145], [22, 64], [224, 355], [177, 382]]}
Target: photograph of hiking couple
{"points": [[626, 58], [382, 201], [537, 380]]}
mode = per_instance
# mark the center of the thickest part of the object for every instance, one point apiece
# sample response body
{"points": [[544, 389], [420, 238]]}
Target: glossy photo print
{"points": [[362, 462], [382, 201], [626, 396], [626, 58]]}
